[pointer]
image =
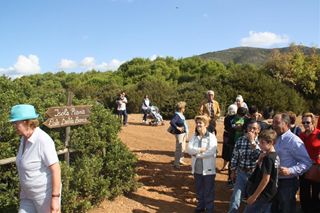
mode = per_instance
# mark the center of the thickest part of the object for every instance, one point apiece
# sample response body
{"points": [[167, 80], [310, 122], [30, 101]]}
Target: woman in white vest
{"points": [[203, 148]]}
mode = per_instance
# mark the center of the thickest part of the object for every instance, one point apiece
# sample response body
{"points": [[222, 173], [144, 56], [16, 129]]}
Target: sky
{"points": [[39, 36]]}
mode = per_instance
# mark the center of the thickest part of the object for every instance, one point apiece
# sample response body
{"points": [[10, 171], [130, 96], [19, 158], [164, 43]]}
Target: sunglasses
{"points": [[306, 122]]}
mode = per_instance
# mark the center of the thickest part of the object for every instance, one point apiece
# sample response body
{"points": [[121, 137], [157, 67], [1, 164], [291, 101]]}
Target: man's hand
{"points": [[284, 171]]}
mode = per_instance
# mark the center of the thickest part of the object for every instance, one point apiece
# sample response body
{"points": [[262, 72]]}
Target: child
{"points": [[262, 184]]}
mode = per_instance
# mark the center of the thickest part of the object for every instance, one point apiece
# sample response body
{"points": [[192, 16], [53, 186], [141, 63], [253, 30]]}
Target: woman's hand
{"points": [[181, 129], [55, 204]]}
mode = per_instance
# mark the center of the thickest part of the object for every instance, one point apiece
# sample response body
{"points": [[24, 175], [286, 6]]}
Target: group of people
{"points": [[267, 156]]}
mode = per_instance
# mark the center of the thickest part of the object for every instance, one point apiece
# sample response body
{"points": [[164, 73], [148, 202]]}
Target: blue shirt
{"points": [[292, 154]]}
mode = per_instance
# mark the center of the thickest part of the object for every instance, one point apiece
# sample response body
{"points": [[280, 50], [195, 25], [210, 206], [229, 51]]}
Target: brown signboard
{"points": [[65, 111], [67, 116], [73, 120]]}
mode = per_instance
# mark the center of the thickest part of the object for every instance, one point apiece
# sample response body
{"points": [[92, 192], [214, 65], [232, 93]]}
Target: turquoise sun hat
{"points": [[23, 112]]}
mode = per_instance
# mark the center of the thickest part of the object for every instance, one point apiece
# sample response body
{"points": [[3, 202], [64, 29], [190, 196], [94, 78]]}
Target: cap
{"points": [[210, 92]]}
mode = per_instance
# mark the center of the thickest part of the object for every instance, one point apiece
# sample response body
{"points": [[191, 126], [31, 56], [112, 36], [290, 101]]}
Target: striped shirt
{"points": [[243, 156]]}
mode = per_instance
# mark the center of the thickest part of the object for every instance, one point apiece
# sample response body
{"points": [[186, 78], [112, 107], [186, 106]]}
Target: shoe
{"points": [[183, 163], [176, 167]]}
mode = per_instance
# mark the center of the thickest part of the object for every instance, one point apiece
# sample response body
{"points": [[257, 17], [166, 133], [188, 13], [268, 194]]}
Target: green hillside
{"points": [[249, 55]]}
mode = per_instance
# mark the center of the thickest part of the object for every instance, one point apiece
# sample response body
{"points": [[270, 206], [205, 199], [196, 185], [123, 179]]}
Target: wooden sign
{"points": [[67, 116], [68, 111]]}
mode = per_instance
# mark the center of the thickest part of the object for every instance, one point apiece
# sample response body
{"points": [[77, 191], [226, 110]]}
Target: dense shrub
{"points": [[100, 166]]}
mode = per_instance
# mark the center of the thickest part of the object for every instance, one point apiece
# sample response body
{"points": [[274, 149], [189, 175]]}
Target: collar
{"points": [[34, 135], [285, 134]]}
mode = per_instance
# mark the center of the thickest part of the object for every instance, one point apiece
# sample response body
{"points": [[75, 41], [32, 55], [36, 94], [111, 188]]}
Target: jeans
{"points": [[238, 190], [205, 192], [123, 116], [285, 199], [180, 148], [260, 206], [309, 195]]}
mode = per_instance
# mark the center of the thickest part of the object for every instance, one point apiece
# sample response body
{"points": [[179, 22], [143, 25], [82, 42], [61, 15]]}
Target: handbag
{"points": [[313, 173], [171, 130]]}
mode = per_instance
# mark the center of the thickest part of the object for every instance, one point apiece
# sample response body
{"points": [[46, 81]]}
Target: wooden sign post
{"points": [[67, 116]]}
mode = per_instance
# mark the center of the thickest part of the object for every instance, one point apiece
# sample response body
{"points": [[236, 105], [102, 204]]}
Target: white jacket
{"points": [[209, 141]]}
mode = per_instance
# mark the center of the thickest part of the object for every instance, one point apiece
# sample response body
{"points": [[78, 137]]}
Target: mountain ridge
{"points": [[249, 55]]}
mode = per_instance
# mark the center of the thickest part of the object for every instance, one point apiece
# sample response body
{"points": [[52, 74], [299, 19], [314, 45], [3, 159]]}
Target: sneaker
{"points": [[183, 163]]}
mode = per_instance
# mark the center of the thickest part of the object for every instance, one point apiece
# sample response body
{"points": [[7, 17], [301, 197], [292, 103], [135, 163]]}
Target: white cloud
{"points": [[153, 57], [264, 39], [67, 64], [25, 65], [89, 63]]}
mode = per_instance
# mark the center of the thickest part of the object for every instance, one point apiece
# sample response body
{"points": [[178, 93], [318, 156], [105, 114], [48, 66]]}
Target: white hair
{"points": [[232, 109], [239, 98]]}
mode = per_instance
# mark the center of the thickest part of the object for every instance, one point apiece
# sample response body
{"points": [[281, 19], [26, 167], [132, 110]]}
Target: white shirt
{"points": [[33, 165], [122, 103]]}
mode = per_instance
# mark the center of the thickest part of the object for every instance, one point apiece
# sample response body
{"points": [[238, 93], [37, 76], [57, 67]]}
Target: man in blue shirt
{"points": [[294, 161]]}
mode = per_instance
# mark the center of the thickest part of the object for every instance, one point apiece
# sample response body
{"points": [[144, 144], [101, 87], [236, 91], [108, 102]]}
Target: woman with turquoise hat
{"points": [[37, 163]]}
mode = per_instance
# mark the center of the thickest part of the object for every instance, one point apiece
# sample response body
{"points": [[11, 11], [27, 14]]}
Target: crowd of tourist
{"points": [[267, 155]]}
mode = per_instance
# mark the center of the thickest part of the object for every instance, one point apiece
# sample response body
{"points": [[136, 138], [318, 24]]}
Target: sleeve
{"points": [[218, 110], [302, 158], [192, 149], [48, 150], [174, 120], [235, 155], [256, 152], [212, 148], [267, 165]]}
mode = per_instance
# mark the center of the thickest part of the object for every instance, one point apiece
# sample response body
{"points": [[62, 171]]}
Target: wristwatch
{"points": [[55, 195]]}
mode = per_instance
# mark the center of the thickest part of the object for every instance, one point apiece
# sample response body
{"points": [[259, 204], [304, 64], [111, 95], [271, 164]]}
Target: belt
{"points": [[247, 170]]}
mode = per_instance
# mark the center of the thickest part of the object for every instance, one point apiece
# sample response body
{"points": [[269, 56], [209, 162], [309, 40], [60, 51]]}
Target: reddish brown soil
{"points": [[163, 188]]}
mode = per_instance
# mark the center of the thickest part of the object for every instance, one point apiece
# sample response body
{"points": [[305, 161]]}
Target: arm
{"points": [[262, 185], [56, 184], [302, 158], [217, 113], [211, 149], [192, 149]]}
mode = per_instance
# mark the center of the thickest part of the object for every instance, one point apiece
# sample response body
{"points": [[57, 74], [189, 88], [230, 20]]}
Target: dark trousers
{"points": [[123, 116], [285, 199], [145, 114], [309, 195], [205, 192]]}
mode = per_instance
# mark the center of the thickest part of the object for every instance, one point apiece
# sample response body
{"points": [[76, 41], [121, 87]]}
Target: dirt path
{"points": [[163, 188]]}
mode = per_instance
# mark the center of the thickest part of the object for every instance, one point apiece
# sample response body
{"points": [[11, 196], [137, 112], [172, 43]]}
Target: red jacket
{"points": [[312, 143], [318, 125]]}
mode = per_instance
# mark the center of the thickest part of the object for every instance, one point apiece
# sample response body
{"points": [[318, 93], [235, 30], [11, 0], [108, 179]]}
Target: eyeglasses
{"points": [[306, 122]]}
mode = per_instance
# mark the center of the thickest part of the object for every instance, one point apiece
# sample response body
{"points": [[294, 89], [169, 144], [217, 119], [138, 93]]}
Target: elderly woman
{"points": [[202, 147], [240, 102], [310, 190], [37, 163], [181, 130]]}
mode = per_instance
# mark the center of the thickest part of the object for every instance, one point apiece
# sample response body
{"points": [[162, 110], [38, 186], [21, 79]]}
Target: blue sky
{"points": [[40, 36]]}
